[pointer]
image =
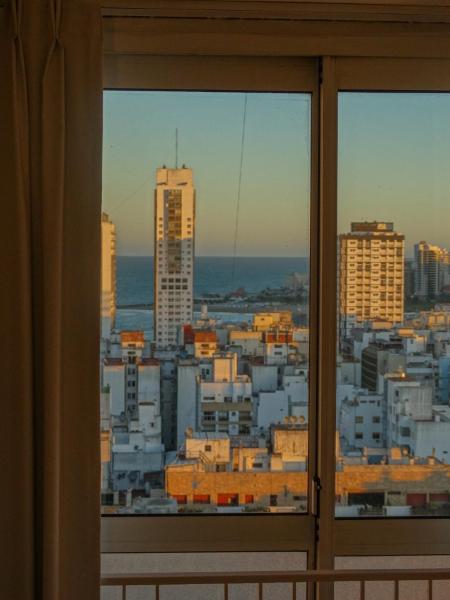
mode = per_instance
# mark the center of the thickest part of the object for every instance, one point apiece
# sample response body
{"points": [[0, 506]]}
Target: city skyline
{"points": [[388, 169], [207, 410]]}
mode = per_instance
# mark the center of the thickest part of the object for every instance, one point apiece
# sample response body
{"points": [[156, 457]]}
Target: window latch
{"points": [[316, 489]]}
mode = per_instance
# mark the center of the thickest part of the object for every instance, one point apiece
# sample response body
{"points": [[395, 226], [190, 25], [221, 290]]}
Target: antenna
{"points": [[238, 201], [176, 148]]}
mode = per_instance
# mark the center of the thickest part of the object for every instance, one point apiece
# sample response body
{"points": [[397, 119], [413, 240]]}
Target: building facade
{"points": [[431, 270], [108, 274], [371, 275], [174, 253]]}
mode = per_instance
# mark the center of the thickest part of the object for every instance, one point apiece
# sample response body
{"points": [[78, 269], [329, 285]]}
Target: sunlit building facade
{"points": [[174, 253], [371, 275], [108, 274], [432, 269]]}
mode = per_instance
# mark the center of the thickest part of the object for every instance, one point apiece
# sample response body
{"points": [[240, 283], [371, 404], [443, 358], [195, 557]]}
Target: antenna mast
{"points": [[176, 148]]}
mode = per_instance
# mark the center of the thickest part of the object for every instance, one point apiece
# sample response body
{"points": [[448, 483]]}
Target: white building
{"points": [[108, 276], [431, 437], [295, 383], [132, 379], [432, 269], [407, 401], [264, 377], [273, 408], [224, 398], [249, 341], [130, 375], [361, 421], [188, 372], [174, 253]]}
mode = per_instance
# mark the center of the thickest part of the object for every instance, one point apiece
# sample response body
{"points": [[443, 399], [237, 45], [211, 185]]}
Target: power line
{"points": [[238, 201], [122, 202]]}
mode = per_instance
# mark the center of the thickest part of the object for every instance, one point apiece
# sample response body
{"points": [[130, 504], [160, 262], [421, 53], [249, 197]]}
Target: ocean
{"points": [[212, 275]]}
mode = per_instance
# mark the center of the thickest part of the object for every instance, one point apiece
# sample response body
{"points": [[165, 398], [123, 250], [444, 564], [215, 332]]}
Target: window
{"points": [[378, 193], [376, 312], [258, 285]]}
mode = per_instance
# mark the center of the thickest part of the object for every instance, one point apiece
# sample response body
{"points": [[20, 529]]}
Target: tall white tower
{"points": [[108, 271], [174, 253]]}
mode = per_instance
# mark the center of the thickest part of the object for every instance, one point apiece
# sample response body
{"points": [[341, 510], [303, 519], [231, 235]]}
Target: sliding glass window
{"points": [[393, 362], [204, 355]]}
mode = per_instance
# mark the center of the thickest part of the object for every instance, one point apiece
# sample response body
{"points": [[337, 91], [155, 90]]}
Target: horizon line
{"points": [[215, 256]]}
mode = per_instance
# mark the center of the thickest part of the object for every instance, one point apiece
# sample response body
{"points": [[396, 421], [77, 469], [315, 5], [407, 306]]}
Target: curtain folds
{"points": [[50, 194]]}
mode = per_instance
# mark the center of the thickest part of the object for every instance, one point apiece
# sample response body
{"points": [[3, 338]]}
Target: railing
{"points": [[159, 580]]}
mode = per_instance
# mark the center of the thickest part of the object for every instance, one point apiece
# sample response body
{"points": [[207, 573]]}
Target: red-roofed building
{"points": [[132, 338], [202, 343], [205, 343]]}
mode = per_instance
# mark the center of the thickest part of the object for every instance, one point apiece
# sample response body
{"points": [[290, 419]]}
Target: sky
{"points": [[139, 137], [394, 164]]}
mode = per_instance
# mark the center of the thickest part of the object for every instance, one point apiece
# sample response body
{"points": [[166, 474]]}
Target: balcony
{"points": [[313, 580]]}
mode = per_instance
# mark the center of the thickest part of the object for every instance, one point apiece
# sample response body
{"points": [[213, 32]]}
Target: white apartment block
{"points": [[371, 275], [174, 253], [108, 276], [361, 421], [407, 401], [131, 376], [224, 398]]}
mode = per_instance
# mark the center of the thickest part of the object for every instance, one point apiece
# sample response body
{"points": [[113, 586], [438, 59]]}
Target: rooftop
{"points": [[127, 337]]}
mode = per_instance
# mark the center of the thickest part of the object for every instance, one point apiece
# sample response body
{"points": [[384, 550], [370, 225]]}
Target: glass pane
{"points": [[205, 302], [393, 414]]}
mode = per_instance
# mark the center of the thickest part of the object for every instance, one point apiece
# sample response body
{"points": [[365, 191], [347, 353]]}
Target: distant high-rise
{"points": [[371, 275], [410, 277], [174, 253], [432, 269], [108, 274]]}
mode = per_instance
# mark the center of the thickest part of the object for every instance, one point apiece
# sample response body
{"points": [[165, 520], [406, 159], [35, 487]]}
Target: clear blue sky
{"points": [[394, 164]]}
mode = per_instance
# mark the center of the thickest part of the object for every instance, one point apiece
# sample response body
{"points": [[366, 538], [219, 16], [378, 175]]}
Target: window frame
{"points": [[391, 536], [226, 532], [354, 55]]}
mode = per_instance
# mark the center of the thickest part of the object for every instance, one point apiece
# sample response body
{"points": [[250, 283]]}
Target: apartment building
{"points": [[432, 269], [174, 253], [371, 275]]}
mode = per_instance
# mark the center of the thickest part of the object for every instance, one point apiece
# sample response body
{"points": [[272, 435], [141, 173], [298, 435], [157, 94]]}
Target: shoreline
{"points": [[231, 308]]}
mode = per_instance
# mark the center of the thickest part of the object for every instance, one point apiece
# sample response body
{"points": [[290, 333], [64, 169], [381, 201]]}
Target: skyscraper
{"points": [[174, 253], [432, 269], [371, 275], [108, 273]]}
